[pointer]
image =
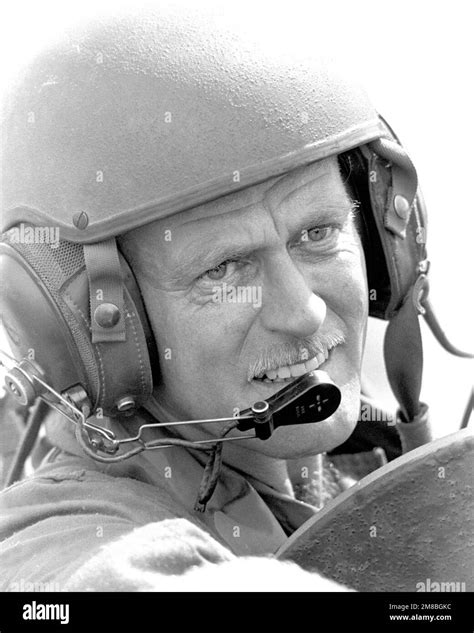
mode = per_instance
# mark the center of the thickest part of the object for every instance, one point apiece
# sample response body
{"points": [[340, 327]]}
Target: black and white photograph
{"points": [[236, 316]]}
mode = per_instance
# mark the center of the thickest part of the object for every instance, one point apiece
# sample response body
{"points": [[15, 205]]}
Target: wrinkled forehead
{"points": [[272, 193], [317, 180]]}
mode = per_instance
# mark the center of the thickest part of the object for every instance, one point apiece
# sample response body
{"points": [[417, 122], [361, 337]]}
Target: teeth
{"points": [[314, 363], [298, 370], [321, 358], [283, 374]]}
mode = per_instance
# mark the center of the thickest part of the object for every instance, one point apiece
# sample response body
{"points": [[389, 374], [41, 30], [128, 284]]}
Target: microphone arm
{"points": [[311, 398]]}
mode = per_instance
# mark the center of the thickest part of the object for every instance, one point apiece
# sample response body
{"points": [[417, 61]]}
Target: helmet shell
{"points": [[140, 116]]}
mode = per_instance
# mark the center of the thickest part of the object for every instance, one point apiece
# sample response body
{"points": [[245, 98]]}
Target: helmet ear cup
{"points": [[380, 175], [39, 327], [354, 170], [46, 316]]}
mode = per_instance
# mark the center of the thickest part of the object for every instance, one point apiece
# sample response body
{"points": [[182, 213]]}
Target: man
{"points": [[243, 191]]}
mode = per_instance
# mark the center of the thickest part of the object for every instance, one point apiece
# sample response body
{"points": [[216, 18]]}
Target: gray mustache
{"points": [[290, 354]]}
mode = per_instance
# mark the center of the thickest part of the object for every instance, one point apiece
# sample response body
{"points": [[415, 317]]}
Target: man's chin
{"points": [[300, 440]]}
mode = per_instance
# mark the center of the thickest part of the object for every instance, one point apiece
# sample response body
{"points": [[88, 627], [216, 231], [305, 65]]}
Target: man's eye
{"points": [[217, 273], [318, 234]]}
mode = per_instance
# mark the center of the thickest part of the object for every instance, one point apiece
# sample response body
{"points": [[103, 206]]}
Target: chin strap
{"points": [[403, 354]]}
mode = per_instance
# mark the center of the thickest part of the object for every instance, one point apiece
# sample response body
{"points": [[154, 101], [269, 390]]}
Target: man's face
{"points": [[269, 280]]}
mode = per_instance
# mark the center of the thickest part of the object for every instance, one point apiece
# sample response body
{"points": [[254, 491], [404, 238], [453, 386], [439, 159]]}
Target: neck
{"points": [[270, 471]]}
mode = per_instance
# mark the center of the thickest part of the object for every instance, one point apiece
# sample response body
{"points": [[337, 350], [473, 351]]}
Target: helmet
{"points": [[135, 118]]}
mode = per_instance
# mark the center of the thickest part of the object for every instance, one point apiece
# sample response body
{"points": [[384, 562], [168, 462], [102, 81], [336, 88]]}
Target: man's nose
{"points": [[289, 304]]}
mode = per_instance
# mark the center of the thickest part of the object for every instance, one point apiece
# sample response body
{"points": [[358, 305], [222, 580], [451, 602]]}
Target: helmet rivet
{"points": [[402, 207], [107, 315], [126, 403], [80, 220]]}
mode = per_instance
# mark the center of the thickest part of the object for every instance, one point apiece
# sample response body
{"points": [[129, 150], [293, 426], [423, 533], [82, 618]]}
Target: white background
{"points": [[416, 59]]}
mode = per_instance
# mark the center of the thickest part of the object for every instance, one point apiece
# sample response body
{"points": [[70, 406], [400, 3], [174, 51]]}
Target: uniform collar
{"points": [[247, 515]]}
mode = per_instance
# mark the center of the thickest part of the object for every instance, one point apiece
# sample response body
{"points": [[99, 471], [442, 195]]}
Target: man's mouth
{"points": [[288, 373]]}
